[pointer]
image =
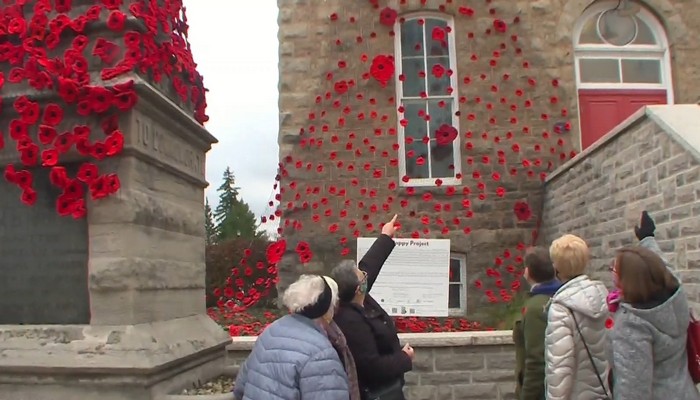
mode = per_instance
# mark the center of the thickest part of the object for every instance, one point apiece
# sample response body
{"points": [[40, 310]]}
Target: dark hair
{"points": [[643, 275], [345, 276], [539, 265]]}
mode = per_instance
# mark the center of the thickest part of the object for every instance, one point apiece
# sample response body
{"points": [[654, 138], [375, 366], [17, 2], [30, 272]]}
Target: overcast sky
{"points": [[235, 46]]}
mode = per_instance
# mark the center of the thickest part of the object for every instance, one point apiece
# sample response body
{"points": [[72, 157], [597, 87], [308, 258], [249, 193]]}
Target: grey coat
{"points": [[292, 359], [650, 361]]}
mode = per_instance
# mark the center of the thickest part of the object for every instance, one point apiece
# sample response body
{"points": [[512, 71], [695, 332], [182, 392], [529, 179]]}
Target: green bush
{"points": [[223, 257]]}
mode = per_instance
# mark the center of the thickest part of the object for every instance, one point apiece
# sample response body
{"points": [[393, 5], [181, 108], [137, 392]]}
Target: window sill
{"points": [[456, 313], [430, 182]]}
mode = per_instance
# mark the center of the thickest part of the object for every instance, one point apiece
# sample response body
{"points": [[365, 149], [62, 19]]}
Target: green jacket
{"points": [[528, 336]]}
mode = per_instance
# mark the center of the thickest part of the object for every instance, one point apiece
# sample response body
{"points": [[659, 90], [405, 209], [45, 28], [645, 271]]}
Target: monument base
{"points": [[134, 362]]}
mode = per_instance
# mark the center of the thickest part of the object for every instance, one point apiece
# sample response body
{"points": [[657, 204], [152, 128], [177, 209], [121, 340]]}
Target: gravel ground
{"points": [[222, 384]]}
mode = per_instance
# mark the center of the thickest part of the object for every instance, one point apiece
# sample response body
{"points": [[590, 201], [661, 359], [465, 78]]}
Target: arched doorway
{"points": [[622, 63]]}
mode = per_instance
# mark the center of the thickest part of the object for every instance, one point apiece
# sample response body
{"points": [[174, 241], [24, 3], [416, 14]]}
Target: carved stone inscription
{"points": [[43, 259], [167, 147]]}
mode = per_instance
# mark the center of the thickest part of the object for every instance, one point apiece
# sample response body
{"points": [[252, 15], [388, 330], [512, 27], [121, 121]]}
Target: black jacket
{"points": [[370, 332]]}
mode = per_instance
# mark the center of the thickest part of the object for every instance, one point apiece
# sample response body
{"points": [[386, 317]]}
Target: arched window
{"points": [[426, 90], [622, 64]]}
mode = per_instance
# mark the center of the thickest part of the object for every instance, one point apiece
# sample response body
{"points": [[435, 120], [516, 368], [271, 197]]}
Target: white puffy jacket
{"points": [[569, 372]]}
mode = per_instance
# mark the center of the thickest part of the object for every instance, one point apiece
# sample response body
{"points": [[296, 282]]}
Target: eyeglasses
{"points": [[364, 276]]}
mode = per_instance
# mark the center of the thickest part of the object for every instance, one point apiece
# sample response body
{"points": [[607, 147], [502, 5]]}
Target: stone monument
{"points": [[109, 306]]}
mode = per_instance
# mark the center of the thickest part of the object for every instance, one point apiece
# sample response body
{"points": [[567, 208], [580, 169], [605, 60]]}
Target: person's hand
{"points": [[646, 227], [390, 227], [409, 351]]}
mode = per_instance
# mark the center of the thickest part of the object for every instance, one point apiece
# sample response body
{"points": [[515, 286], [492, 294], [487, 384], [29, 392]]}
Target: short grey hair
{"points": [[306, 291], [346, 276]]}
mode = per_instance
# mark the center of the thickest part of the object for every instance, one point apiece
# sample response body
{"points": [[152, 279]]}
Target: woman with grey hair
{"points": [[293, 357], [371, 335]]}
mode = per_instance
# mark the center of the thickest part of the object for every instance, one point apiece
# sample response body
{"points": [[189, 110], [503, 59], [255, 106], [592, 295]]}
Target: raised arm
{"points": [[377, 254], [560, 357], [645, 233]]}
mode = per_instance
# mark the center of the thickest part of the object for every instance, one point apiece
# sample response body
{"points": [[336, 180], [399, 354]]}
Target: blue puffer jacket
{"points": [[292, 359]]}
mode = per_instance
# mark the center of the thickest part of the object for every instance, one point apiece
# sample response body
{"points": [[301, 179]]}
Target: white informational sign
{"points": [[415, 279]]}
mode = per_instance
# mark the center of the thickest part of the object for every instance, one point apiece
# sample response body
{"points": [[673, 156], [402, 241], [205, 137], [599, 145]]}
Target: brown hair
{"points": [[539, 265], [643, 275]]}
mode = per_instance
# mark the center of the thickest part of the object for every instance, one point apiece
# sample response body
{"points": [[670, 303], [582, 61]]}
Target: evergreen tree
{"points": [[228, 195], [233, 216], [209, 224]]}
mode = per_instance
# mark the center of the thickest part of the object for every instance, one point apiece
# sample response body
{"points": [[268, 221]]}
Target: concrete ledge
{"points": [[429, 339], [133, 349], [458, 339], [132, 362]]}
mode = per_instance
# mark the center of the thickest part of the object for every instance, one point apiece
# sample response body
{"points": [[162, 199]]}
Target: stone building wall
{"points": [[651, 163], [448, 366], [324, 131]]}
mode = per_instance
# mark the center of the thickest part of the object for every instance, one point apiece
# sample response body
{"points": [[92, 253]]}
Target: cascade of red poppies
{"points": [[47, 53], [500, 79]]}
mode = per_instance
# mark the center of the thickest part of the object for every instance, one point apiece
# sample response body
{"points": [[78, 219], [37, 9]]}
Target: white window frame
{"points": [[454, 84], [462, 310], [659, 51]]}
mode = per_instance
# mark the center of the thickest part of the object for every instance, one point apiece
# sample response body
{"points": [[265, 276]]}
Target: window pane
{"points": [[641, 71], [414, 168], [440, 112], [599, 70], [455, 271], [441, 156], [438, 80], [455, 298], [437, 47], [589, 34], [644, 33], [617, 29], [415, 131], [442, 160], [413, 84], [411, 39], [414, 112]]}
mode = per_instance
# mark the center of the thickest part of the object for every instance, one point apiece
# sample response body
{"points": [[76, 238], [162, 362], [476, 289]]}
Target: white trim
{"points": [[660, 52], [454, 84], [462, 310], [656, 28], [621, 85]]}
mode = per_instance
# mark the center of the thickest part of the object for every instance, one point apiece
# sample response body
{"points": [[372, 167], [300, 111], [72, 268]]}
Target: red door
{"points": [[602, 110]]}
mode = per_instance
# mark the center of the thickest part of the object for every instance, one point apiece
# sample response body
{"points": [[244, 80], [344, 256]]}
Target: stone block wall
{"points": [[338, 151], [448, 366], [651, 163]]}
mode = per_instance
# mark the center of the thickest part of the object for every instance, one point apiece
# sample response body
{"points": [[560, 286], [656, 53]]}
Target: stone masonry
{"points": [[448, 366], [145, 332], [315, 36], [308, 52], [651, 162], [148, 333]]}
